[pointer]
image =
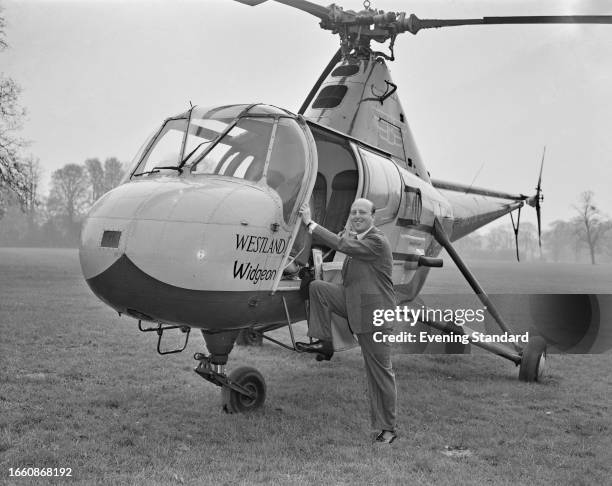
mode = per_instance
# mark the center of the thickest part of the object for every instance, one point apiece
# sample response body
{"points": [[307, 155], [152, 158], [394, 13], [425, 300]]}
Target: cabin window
{"points": [[345, 70], [383, 185], [241, 152], [413, 206], [330, 96], [201, 133], [287, 166], [206, 124]]}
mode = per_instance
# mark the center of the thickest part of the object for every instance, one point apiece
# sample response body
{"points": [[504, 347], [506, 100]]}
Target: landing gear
{"points": [[533, 360], [244, 389], [251, 380], [532, 357]]}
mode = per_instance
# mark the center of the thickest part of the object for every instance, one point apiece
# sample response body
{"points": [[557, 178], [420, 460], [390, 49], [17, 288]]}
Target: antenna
{"points": [[474, 179]]}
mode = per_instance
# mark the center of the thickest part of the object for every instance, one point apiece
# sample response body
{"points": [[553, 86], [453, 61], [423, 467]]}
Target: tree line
{"points": [[585, 237], [55, 220]]}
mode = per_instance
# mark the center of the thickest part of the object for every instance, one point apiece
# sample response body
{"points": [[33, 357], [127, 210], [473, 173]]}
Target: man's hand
{"points": [[305, 213]]}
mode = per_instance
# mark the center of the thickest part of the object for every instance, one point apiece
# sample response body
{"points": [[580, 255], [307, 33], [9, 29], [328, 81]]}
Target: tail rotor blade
{"points": [[538, 200], [539, 216], [539, 186]]}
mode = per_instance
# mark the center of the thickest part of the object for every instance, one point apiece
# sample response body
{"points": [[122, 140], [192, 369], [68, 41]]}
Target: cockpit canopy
{"points": [[257, 143]]}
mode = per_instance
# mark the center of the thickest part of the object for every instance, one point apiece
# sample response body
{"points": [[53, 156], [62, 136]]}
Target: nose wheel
{"points": [[250, 380], [243, 390]]}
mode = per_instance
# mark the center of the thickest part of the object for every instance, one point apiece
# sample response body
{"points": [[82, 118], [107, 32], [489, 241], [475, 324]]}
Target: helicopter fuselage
{"points": [[205, 228]]}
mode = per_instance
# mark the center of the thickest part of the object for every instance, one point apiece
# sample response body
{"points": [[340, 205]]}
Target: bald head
{"points": [[362, 215], [363, 202]]}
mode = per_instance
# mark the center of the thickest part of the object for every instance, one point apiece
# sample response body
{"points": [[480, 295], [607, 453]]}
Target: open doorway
{"points": [[333, 194], [336, 185]]}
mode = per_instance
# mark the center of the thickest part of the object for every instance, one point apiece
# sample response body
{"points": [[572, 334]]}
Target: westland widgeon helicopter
{"points": [[204, 232]]}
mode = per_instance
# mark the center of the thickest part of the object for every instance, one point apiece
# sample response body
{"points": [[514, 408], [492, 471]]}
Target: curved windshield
{"points": [[203, 125], [241, 152], [244, 152], [166, 150], [265, 144], [136, 160]]}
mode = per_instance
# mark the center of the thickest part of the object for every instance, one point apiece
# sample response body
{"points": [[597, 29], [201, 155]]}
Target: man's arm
{"points": [[368, 248]]}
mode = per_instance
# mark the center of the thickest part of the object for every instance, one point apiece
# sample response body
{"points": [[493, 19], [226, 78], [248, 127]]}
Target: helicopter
{"points": [[204, 231]]}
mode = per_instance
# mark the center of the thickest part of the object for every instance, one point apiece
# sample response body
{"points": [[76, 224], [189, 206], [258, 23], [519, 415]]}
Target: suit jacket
{"points": [[366, 275]]}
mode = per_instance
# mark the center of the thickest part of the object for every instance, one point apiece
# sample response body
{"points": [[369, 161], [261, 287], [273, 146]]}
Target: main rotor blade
{"points": [[413, 24], [309, 7]]}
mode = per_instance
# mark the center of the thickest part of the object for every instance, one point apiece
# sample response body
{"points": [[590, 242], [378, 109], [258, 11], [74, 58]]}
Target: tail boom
{"points": [[475, 207]]}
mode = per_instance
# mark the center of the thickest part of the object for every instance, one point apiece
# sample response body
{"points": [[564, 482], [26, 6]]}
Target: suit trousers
{"points": [[325, 298]]}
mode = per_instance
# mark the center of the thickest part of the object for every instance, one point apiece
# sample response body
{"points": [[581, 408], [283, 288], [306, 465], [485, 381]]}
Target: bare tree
{"points": [[113, 173], [591, 224], [559, 239], [471, 245], [69, 194], [528, 241], [30, 203], [3, 44], [499, 239], [12, 177], [96, 178]]}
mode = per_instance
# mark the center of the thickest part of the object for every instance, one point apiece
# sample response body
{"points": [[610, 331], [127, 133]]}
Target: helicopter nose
{"points": [[155, 248], [105, 231]]}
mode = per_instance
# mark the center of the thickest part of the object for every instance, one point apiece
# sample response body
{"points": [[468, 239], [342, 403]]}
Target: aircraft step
{"points": [[160, 329]]}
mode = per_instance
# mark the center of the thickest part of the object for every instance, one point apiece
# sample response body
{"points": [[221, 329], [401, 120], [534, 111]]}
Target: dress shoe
{"points": [[385, 437], [323, 349]]}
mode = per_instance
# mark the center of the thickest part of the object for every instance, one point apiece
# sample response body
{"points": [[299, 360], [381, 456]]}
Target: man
{"points": [[366, 286]]}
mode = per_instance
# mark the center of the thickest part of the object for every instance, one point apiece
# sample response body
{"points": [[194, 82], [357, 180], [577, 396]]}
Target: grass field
{"points": [[81, 388]]}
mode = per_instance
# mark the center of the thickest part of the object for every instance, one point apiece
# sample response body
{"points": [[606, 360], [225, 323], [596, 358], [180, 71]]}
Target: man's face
{"points": [[361, 216]]}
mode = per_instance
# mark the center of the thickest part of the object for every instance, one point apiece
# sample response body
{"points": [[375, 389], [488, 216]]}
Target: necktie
{"points": [[347, 260]]}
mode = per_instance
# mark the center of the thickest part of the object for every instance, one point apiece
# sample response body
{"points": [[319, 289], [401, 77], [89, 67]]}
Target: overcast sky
{"points": [[99, 76]]}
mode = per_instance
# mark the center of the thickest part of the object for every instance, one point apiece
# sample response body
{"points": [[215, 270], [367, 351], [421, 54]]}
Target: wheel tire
{"points": [[248, 337], [532, 362], [252, 380]]}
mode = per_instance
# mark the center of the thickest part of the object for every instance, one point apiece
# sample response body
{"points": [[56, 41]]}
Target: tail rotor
{"points": [[536, 200]]}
